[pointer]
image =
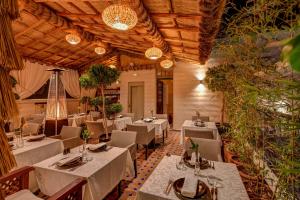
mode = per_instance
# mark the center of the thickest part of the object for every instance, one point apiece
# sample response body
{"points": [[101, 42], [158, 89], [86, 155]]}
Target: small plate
{"points": [[35, 138], [203, 192]]}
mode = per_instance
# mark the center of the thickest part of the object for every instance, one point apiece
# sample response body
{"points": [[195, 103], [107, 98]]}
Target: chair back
{"points": [[208, 149], [123, 138], [95, 128], [141, 131], [70, 132], [161, 116], [31, 129], [200, 133]]}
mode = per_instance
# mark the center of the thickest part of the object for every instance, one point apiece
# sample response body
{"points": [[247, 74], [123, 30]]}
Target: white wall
{"points": [[149, 79], [190, 95]]}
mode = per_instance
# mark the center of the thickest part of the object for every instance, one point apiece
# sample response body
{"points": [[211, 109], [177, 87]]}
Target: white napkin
{"points": [[189, 187], [74, 124], [96, 146], [71, 158]]}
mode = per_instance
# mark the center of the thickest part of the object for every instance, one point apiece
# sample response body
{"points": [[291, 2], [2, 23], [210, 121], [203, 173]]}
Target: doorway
{"points": [[164, 102], [136, 99]]}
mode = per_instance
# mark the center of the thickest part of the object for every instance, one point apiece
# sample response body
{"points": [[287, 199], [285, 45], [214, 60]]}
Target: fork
{"points": [[169, 186]]}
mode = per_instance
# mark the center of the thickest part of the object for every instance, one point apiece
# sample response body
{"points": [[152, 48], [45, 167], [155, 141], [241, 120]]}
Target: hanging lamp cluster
{"points": [[166, 64], [153, 53], [100, 50], [73, 38]]}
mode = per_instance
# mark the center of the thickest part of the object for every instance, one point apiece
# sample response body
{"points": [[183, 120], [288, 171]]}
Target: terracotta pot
{"points": [[227, 153]]}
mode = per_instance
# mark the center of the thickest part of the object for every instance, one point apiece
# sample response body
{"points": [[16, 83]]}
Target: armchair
{"points": [[14, 186], [70, 136]]}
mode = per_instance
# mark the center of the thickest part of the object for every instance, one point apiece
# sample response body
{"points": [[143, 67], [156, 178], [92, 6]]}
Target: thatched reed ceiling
{"points": [[183, 29]]}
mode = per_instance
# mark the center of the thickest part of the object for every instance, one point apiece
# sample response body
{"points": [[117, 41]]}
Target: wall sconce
{"points": [[201, 87], [201, 81]]}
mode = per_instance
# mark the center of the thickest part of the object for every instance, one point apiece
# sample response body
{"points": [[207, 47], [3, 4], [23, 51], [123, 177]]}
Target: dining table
{"points": [[103, 172], [34, 152], [189, 124], [121, 122], [77, 120], [229, 187]]}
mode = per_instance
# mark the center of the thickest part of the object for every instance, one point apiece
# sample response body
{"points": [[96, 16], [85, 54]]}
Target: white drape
{"points": [[30, 79], [70, 80], [89, 92]]}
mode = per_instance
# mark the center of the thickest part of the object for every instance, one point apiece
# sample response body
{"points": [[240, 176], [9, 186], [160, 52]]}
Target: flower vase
{"points": [[84, 151]]}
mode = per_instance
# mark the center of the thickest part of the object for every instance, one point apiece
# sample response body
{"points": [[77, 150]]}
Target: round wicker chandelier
{"points": [[153, 53], [120, 17], [73, 38], [166, 64], [100, 50]]}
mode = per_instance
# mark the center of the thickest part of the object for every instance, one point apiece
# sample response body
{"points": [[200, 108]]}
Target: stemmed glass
{"points": [[180, 164]]}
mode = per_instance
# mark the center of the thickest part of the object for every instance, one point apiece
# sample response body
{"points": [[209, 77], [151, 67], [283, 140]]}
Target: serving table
{"points": [[153, 189], [189, 124], [103, 172], [34, 152]]}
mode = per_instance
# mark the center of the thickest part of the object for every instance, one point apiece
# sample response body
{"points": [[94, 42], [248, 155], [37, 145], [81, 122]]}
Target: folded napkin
{"points": [[68, 160], [189, 187], [94, 147]]}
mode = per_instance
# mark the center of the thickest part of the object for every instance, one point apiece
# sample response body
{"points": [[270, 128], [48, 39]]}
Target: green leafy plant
{"points": [[85, 134], [100, 76], [114, 108]]}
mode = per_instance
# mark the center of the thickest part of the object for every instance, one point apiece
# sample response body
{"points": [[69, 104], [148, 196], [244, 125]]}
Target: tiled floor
{"points": [[145, 167]]}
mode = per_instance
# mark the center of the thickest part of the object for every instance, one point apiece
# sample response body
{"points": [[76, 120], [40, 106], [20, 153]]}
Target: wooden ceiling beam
{"points": [[189, 29], [29, 28], [160, 15], [47, 48], [67, 1], [76, 53], [208, 28], [148, 24], [183, 41]]}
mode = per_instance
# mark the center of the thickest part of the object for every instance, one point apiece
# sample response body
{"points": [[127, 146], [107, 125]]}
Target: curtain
{"points": [[30, 79], [89, 92], [70, 80]]}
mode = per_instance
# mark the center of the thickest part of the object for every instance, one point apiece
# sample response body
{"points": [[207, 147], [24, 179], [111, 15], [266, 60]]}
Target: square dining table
{"points": [[230, 180], [103, 172], [34, 152], [189, 124], [161, 126]]}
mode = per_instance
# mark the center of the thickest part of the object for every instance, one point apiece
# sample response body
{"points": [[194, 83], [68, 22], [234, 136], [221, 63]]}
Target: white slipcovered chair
{"points": [[30, 128], [125, 139], [70, 136], [144, 136], [208, 148], [95, 115], [96, 128]]}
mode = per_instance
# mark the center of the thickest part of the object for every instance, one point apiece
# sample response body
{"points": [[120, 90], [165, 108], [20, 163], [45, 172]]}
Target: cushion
{"points": [[22, 195]]}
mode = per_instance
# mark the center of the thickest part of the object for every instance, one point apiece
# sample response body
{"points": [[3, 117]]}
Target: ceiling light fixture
{"points": [[166, 64], [153, 53], [100, 50], [120, 17], [73, 38]]}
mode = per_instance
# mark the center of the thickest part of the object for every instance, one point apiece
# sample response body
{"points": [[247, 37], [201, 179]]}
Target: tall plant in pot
{"points": [[100, 76]]}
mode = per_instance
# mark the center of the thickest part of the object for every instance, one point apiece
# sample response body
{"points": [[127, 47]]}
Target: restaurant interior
{"points": [[150, 99]]}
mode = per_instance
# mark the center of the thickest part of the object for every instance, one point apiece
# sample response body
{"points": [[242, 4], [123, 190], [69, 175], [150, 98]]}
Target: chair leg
{"points": [[135, 168], [146, 156], [120, 189], [137, 146], [163, 137]]}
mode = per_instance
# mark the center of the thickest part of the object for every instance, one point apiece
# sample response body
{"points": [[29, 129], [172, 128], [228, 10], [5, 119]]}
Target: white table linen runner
{"points": [[103, 173], [153, 189], [189, 124]]}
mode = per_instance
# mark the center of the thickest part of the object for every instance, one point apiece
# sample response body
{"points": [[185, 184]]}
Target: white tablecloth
{"points": [[34, 152], [103, 173], [160, 125], [189, 124], [153, 188], [121, 123]]}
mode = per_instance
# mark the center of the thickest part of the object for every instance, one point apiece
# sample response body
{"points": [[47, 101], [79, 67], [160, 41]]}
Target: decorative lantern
{"points": [[153, 53], [73, 38], [56, 114], [120, 17], [100, 50], [166, 64]]}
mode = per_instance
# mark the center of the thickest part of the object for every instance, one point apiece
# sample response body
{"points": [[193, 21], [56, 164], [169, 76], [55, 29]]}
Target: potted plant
{"points": [[86, 100], [100, 76], [113, 109]]}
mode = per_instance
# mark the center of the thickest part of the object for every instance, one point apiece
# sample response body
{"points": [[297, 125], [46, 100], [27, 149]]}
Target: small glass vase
{"points": [[84, 152], [19, 139]]}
